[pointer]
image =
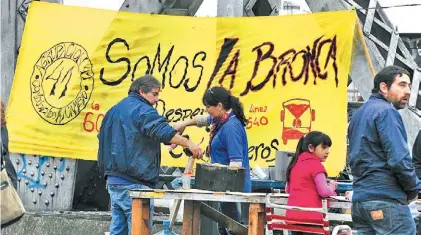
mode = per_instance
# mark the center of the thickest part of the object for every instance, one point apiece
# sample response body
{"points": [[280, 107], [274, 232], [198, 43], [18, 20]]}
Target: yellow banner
{"points": [[75, 63]]}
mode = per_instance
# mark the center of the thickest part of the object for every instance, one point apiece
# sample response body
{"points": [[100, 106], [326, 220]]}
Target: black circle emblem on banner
{"points": [[62, 82]]}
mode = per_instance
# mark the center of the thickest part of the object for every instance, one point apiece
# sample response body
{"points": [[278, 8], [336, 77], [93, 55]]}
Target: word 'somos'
{"points": [[156, 63]]}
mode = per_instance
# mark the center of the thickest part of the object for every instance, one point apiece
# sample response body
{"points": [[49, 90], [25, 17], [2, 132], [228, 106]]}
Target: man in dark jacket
{"points": [[130, 148], [384, 179]]}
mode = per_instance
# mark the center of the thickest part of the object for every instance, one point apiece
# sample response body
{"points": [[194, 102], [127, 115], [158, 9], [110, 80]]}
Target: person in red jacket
{"points": [[307, 181]]}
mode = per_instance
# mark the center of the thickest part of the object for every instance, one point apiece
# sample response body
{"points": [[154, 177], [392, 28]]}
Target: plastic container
{"points": [[259, 172], [166, 229], [186, 180]]}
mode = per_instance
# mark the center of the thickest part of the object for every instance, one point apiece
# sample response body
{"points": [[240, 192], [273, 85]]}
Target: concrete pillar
{"points": [[8, 46], [142, 6], [230, 8]]}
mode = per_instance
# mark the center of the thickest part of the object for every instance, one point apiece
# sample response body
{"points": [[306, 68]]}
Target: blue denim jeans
{"points": [[382, 218], [121, 208]]}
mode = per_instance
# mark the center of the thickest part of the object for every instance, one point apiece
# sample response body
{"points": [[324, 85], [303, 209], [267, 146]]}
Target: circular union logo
{"points": [[62, 82]]}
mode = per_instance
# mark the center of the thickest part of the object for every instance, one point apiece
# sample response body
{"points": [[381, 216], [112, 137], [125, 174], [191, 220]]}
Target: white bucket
{"points": [[259, 172]]}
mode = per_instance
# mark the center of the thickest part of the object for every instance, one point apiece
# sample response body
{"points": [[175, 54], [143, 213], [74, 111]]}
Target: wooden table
{"points": [[192, 207]]}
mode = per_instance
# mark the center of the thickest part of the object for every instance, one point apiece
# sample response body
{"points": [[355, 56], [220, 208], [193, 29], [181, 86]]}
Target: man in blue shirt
{"points": [[130, 148], [384, 179]]}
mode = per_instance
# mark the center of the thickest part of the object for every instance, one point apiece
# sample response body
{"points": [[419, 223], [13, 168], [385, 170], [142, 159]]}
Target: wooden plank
{"points": [[191, 218], [220, 218], [256, 219], [201, 195], [145, 216], [188, 218], [136, 216], [140, 216], [174, 211], [196, 218]]}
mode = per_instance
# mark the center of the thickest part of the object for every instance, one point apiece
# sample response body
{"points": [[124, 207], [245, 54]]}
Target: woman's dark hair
{"points": [[314, 138], [216, 95]]}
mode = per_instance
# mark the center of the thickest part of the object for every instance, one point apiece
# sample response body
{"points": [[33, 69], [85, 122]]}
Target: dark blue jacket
{"points": [[378, 153], [129, 140]]}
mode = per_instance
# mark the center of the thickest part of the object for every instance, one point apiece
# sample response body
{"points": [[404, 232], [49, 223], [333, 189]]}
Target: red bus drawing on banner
{"points": [[297, 117]]}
